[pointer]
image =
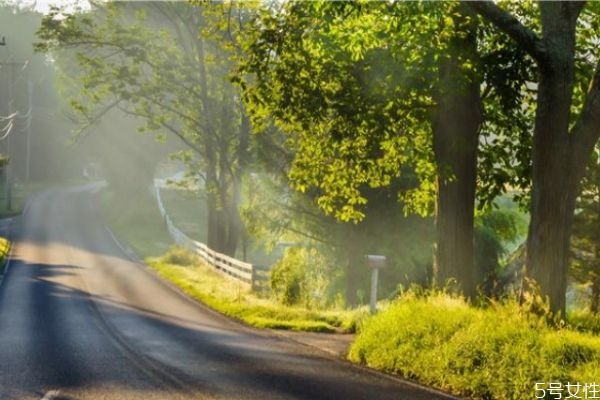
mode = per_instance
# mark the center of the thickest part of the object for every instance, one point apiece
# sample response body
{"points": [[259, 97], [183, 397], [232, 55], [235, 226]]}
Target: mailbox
{"points": [[375, 261]]}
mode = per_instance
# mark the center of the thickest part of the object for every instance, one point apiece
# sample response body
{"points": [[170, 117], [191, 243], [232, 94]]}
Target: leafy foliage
{"points": [[343, 99], [357, 108], [495, 231], [585, 243]]}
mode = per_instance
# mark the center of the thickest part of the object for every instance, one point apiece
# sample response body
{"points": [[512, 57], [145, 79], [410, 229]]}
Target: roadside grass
{"points": [[4, 250], [187, 211], [139, 225], [136, 223], [235, 299], [497, 352], [585, 321]]}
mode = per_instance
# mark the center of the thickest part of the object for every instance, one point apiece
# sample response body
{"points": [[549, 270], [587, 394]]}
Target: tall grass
{"points": [[498, 352], [4, 250]]}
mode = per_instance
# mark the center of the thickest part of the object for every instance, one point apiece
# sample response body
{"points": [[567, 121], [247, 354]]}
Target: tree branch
{"points": [[586, 131], [170, 128], [90, 120], [507, 23]]}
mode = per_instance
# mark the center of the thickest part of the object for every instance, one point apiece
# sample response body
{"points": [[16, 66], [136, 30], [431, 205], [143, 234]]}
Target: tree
{"points": [[402, 98], [567, 126], [456, 127], [151, 60]]}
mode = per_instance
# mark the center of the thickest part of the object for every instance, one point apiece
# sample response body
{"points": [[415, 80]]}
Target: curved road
{"points": [[79, 320]]}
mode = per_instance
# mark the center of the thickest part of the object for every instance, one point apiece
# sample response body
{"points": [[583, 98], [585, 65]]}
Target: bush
{"points": [[585, 321], [4, 250], [287, 277], [301, 277], [499, 352], [180, 256]]}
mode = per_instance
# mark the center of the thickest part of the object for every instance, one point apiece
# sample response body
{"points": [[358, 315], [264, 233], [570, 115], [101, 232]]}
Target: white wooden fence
{"points": [[252, 275]]}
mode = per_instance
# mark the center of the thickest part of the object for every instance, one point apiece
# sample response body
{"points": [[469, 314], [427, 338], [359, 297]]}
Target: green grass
{"points": [[187, 211], [138, 223], [234, 299], [498, 352], [584, 321], [4, 250]]}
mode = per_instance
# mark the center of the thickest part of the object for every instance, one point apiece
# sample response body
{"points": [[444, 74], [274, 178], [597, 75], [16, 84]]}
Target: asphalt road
{"points": [[80, 320]]}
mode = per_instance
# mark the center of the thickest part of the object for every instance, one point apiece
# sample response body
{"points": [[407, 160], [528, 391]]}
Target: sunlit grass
{"points": [[585, 321], [4, 250], [140, 226], [496, 352], [235, 299]]}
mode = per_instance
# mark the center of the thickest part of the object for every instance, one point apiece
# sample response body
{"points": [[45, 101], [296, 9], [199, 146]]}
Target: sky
{"points": [[43, 6]]}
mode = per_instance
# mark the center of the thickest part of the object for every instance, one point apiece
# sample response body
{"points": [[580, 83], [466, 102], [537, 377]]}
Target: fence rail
{"points": [[256, 277]]}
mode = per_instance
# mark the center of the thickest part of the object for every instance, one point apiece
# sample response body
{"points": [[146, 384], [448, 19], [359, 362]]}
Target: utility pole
{"points": [[8, 169], [29, 121], [8, 174], [7, 192]]}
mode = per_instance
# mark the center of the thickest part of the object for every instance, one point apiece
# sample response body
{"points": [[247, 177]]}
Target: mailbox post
{"points": [[375, 262]]}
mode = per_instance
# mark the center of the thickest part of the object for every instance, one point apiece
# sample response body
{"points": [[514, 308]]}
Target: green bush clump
{"points": [[301, 278], [497, 352], [288, 277], [585, 321], [4, 250], [180, 256]]}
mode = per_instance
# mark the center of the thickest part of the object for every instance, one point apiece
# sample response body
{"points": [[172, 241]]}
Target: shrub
{"points": [[180, 256], [497, 352], [301, 277], [585, 321], [4, 250], [287, 277]]}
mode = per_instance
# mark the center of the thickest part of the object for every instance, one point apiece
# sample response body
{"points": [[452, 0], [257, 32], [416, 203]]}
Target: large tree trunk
{"points": [[552, 207], [555, 175], [595, 296], [560, 152], [216, 235], [355, 263], [455, 141]]}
